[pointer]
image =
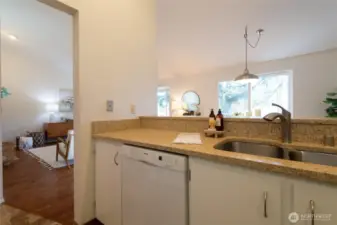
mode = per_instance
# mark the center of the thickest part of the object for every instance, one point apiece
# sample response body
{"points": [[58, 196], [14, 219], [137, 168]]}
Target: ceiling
{"points": [[43, 32], [196, 36]]}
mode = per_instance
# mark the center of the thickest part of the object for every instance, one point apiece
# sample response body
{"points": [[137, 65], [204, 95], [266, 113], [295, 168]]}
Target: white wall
{"points": [[313, 76], [117, 61], [1, 167], [33, 82]]}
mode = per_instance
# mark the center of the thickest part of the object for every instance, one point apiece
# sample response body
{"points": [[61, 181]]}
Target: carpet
{"points": [[8, 153], [47, 157], [10, 215]]}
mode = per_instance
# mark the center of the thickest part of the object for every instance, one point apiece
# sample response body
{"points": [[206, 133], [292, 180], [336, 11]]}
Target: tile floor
{"points": [[13, 216]]}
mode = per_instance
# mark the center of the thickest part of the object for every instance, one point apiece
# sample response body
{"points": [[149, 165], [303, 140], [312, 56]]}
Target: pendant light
{"points": [[247, 77]]}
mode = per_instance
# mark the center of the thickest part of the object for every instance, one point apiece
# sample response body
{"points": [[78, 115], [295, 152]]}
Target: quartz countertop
{"points": [[162, 140]]}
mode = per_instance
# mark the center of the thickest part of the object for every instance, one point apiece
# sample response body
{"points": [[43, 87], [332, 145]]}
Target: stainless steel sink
{"points": [[278, 152], [313, 157], [251, 148]]}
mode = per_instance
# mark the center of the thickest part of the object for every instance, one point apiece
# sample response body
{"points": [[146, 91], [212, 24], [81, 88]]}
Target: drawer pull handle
{"points": [[312, 207], [115, 158], [265, 204]]}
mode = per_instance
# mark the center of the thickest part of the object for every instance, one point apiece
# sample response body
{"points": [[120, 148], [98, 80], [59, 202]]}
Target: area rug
{"points": [[10, 215], [47, 157]]}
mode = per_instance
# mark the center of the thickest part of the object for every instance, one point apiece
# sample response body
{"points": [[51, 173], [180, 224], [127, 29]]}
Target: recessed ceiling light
{"points": [[10, 36]]}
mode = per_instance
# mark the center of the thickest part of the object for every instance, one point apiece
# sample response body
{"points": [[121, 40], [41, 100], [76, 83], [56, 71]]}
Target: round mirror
{"points": [[191, 99]]}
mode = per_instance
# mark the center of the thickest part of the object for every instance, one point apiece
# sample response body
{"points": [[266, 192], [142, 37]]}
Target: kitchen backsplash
{"points": [[114, 125], [304, 130]]}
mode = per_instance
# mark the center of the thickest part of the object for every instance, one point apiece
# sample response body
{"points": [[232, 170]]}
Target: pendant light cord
{"points": [[246, 37], [257, 42], [248, 43]]}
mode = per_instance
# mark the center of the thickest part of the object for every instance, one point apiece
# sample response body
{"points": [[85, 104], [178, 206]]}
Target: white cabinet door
{"points": [[222, 194], [324, 198], [108, 182]]}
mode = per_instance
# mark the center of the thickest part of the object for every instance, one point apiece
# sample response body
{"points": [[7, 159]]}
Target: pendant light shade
{"points": [[248, 77]]}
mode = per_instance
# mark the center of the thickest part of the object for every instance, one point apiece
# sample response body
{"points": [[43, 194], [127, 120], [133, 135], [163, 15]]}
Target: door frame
{"points": [[75, 43]]}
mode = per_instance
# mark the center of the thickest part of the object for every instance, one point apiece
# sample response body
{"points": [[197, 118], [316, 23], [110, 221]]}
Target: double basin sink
{"points": [[278, 152]]}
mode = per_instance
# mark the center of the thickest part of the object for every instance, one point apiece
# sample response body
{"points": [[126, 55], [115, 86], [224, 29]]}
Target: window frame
{"points": [[168, 91]]}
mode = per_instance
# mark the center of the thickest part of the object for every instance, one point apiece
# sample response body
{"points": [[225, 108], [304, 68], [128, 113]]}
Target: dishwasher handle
{"points": [[148, 163], [159, 166]]}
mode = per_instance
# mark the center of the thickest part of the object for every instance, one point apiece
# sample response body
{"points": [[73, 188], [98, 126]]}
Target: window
{"points": [[163, 101], [237, 99], [233, 97]]}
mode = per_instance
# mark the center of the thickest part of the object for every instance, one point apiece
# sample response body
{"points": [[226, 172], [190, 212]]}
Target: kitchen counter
{"points": [[162, 140]]}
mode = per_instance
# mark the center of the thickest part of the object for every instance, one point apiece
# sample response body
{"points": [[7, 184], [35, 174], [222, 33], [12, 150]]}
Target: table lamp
{"points": [[52, 108]]}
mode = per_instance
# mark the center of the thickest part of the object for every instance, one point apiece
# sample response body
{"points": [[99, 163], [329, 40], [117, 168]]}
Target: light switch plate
{"points": [[132, 109], [109, 106]]}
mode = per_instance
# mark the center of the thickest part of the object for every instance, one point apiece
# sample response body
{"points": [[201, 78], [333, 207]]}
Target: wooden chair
{"points": [[65, 148]]}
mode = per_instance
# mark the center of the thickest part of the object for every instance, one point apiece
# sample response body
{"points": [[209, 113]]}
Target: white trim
{"points": [[275, 73], [167, 91], [2, 200], [163, 88], [291, 92], [250, 97]]}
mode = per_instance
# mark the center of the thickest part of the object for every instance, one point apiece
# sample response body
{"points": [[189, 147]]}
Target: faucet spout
{"points": [[273, 116], [285, 118]]}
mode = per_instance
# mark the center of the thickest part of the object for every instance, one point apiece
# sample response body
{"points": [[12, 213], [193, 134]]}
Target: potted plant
{"points": [[331, 100], [4, 92]]}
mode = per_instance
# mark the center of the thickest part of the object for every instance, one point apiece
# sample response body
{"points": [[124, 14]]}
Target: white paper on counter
{"points": [[188, 138]]}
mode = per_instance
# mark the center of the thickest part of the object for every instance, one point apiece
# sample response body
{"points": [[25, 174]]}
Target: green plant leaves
{"points": [[4, 92]]}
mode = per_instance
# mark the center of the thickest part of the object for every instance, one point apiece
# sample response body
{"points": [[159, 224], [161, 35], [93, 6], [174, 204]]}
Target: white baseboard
{"points": [[2, 200]]}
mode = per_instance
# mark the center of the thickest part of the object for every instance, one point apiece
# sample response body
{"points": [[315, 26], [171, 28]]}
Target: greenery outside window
{"points": [[163, 101], [237, 98]]}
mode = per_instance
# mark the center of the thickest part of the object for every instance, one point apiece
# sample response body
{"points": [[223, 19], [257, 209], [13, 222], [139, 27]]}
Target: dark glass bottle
{"points": [[211, 121], [219, 122]]}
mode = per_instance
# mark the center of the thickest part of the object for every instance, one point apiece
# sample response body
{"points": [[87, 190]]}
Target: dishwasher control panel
{"points": [[156, 158]]}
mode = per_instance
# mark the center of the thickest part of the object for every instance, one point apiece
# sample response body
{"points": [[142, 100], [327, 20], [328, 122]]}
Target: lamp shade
{"points": [[246, 77], [52, 107]]}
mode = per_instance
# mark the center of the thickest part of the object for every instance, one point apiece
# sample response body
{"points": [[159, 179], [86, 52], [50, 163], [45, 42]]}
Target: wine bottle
{"points": [[211, 120], [219, 122]]}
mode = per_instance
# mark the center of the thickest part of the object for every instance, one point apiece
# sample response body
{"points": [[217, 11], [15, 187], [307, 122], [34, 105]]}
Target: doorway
{"points": [[37, 64]]}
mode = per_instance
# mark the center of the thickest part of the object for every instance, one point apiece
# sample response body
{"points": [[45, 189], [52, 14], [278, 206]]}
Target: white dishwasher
{"points": [[154, 187]]}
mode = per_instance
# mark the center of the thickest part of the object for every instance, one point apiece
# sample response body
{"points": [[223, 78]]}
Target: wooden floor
{"points": [[33, 188]]}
